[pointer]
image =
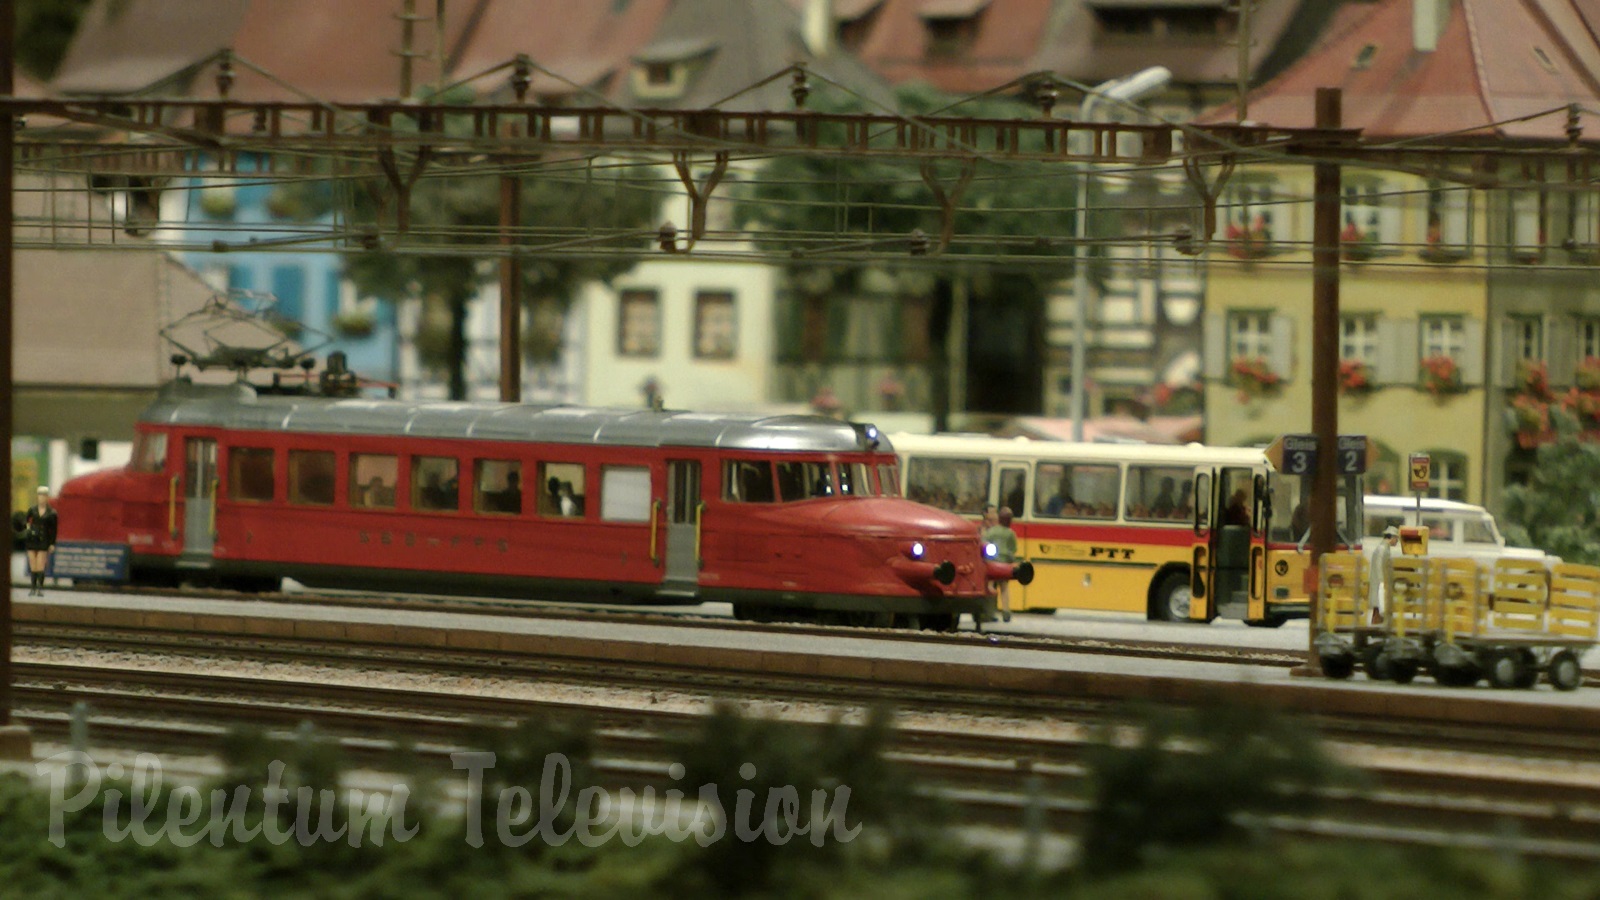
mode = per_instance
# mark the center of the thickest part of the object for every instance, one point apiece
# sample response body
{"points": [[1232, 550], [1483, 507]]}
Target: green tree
{"points": [[44, 28], [1558, 509], [862, 224]]}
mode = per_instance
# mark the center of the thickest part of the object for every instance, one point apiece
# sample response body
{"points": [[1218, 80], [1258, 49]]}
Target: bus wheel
{"points": [[1564, 672], [1173, 598]]}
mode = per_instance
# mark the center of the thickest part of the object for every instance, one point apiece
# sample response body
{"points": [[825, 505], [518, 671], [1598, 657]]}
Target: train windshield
{"points": [[855, 480], [150, 451]]}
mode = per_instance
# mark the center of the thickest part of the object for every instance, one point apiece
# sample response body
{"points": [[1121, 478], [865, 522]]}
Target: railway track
{"points": [[993, 778]]}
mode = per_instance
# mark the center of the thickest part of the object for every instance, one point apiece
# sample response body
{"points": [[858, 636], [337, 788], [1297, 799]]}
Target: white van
{"points": [[1454, 528]]}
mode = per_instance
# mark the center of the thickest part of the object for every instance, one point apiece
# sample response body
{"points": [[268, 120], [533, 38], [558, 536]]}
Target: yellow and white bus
{"points": [[1171, 532]]}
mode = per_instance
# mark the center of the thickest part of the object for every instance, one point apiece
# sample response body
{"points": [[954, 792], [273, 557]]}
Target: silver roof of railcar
{"points": [[239, 407]]}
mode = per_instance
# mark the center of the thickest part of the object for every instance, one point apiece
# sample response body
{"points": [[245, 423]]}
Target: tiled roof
{"points": [[572, 42], [1505, 68], [1007, 36]]}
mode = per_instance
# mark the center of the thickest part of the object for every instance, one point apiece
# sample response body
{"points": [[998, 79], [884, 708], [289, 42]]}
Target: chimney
{"points": [[816, 28], [1428, 18]]}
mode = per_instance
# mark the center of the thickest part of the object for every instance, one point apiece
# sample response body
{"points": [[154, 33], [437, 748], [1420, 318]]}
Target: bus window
{"points": [[959, 485], [1013, 488], [1076, 491], [250, 474], [803, 481], [747, 481], [311, 477], [497, 486], [435, 484], [1159, 493]]}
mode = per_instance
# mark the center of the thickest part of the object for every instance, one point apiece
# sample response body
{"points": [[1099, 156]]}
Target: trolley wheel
{"points": [[1173, 598], [1338, 667], [1404, 671], [1378, 664], [1564, 673], [1507, 668]]}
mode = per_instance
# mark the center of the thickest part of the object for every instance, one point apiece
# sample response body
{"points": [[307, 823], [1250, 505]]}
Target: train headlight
{"points": [[916, 550], [990, 551]]}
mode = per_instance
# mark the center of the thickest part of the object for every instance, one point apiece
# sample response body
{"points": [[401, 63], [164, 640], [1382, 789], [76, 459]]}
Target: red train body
{"points": [[784, 517]]}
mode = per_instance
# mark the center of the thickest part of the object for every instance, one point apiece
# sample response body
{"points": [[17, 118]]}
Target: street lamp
{"points": [[1118, 90]]}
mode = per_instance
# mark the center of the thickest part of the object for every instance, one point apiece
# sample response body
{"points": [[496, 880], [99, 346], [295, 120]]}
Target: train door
{"points": [[1227, 572], [684, 508], [1011, 492], [199, 496]]}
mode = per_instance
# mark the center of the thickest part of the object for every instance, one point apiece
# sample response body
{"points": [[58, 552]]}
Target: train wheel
{"points": [[1506, 668], [1564, 673], [1404, 671], [1378, 664], [944, 622], [1173, 598], [911, 621], [1338, 667]]}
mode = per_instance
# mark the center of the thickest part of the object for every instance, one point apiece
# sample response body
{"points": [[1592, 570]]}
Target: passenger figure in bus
{"points": [[1165, 504], [1062, 503], [1183, 510], [377, 493], [1238, 510], [997, 531]]}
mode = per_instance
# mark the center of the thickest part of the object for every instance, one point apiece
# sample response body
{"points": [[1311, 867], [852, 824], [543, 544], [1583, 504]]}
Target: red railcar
{"points": [[784, 517]]}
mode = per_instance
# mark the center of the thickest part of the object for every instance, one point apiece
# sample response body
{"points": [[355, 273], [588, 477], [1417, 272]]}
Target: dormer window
{"points": [[662, 70], [658, 74], [1365, 56], [1164, 18], [952, 26]]}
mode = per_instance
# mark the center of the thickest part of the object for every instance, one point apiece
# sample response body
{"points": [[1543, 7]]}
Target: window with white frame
{"points": [[1527, 210], [715, 328], [1358, 337], [1525, 337], [1448, 480], [1250, 226], [1588, 338], [639, 323], [1371, 217], [1442, 336], [1448, 225], [1249, 335], [1583, 221]]}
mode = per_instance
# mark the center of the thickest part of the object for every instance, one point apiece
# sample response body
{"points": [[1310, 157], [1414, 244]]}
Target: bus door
{"points": [[1011, 492], [1229, 558], [684, 508], [199, 498]]}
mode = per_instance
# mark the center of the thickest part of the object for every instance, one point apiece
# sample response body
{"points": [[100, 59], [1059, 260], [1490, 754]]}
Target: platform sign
{"points": [[1421, 468], [1294, 454], [1355, 454], [89, 561]]}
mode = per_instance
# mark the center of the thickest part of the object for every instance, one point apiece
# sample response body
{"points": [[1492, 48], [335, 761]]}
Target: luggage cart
{"points": [[1410, 625], [1519, 622], [1345, 629]]}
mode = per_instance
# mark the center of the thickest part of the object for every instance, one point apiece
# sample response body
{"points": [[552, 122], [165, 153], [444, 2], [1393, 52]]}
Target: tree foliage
{"points": [[1558, 509]]}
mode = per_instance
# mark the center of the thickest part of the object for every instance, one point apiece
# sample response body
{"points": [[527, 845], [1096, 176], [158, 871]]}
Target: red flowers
{"points": [[1441, 375], [1254, 377], [1355, 376]]}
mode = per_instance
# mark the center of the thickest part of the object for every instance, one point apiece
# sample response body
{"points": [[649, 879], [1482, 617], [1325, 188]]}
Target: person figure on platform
{"points": [[997, 531], [38, 527], [1380, 573]]}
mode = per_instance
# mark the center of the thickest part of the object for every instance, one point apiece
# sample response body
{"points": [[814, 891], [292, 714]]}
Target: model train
{"points": [[784, 517]]}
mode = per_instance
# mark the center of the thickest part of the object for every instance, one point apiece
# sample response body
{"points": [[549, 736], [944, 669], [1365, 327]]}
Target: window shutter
{"points": [[1214, 356], [1503, 356], [1562, 351], [1282, 354], [1473, 355], [1397, 351]]}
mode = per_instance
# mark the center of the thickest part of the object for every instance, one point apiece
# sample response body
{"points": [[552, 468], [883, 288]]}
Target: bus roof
{"points": [[240, 407], [1027, 449]]}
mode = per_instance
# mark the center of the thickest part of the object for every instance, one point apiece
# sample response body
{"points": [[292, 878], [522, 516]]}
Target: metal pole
{"points": [[1324, 349], [8, 135], [1080, 294], [510, 291]]}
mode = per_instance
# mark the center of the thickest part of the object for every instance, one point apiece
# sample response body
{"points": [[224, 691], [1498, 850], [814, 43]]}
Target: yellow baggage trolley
{"points": [[1515, 622]]}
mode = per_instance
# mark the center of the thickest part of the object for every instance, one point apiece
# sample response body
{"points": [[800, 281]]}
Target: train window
{"points": [[1160, 493], [250, 474], [1064, 491], [311, 477], [802, 480], [747, 481], [959, 485], [435, 483], [625, 493], [372, 480], [889, 480], [150, 451], [563, 493], [497, 486], [855, 480]]}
